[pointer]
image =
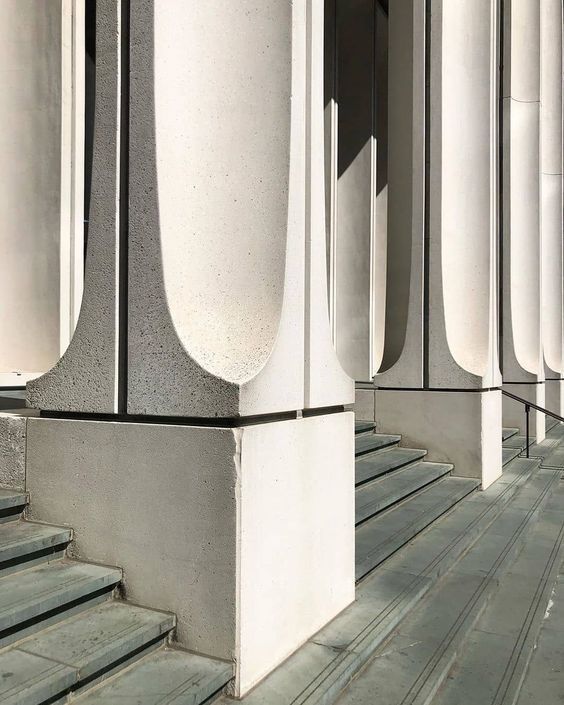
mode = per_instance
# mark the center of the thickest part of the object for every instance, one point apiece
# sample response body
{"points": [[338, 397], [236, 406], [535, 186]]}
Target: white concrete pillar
{"points": [[402, 360], [39, 221], [551, 202], [523, 368], [206, 307], [459, 327], [357, 194]]}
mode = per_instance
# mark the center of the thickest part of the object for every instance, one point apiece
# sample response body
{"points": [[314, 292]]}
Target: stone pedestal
{"points": [[463, 428], [246, 534]]}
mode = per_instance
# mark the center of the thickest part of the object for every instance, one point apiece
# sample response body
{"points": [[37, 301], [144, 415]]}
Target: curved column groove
{"points": [[523, 367]]}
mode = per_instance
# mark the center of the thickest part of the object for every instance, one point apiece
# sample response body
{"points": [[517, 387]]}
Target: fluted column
{"points": [[456, 323], [35, 77], [523, 368], [551, 201]]}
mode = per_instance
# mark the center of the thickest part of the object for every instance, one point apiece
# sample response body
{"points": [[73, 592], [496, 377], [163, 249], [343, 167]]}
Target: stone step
{"points": [[380, 537], [24, 542], [518, 442], [555, 459], [508, 454], [543, 680], [374, 497], [48, 593], [371, 442], [319, 670], [168, 676], [386, 461], [411, 666], [77, 652], [507, 433], [499, 649], [364, 426], [12, 503]]}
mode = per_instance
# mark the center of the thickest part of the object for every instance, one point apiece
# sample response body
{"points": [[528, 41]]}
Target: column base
{"points": [[246, 534], [463, 428], [514, 411]]}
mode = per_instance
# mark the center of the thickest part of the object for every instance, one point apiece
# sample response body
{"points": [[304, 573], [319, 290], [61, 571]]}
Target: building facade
{"points": [[217, 218]]}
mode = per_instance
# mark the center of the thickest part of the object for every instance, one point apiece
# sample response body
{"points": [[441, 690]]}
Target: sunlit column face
{"points": [[467, 158], [30, 161], [551, 184], [522, 237]]}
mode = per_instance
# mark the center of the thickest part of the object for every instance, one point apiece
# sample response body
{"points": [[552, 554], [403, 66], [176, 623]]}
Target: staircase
{"points": [[398, 494], [65, 634]]}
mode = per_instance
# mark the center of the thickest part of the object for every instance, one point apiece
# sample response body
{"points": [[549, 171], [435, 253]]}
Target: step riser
{"points": [[8, 515]]}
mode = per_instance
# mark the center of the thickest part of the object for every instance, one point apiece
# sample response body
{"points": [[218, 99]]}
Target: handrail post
{"points": [[527, 410]]}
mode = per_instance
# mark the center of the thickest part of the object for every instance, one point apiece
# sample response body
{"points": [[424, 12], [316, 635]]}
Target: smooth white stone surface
{"points": [[463, 428], [247, 535]]}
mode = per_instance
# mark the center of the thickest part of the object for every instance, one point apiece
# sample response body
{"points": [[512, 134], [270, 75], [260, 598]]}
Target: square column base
{"points": [[514, 411], [463, 428], [246, 534]]}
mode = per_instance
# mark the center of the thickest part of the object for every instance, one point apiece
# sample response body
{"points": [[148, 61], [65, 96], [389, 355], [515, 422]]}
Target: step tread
{"points": [[518, 442], [19, 538], [382, 463], [500, 646], [413, 663], [379, 495], [364, 426], [85, 644], [508, 433], [31, 593], [374, 441], [166, 676], [508, 454], [12, 498], [381, 536]]}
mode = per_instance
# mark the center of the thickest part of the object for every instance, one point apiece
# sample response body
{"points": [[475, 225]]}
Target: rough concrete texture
{"points": [[12, 451], [84, 379], [224, 331], [463, 428], [247, 535]]}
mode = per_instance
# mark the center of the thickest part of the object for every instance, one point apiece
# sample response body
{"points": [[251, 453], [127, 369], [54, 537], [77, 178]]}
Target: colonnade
{"points": [[469, 272], [250, 255]]}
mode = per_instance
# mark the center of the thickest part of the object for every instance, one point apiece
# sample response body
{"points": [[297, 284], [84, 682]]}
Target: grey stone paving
{"points": [[412, 664]]}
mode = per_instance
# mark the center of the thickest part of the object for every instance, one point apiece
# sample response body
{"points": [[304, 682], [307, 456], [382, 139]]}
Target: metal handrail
{"points": [[528, 406]]}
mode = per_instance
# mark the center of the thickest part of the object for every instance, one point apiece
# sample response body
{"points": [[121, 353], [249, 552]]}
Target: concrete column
{"points": [[460, 361], [523, 367], [551, 202], [356, 103], [205, 317], [402, 361], [31, 113]]}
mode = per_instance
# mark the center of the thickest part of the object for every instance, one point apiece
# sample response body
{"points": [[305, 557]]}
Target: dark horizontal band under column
{"points": [[213, 422]]}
